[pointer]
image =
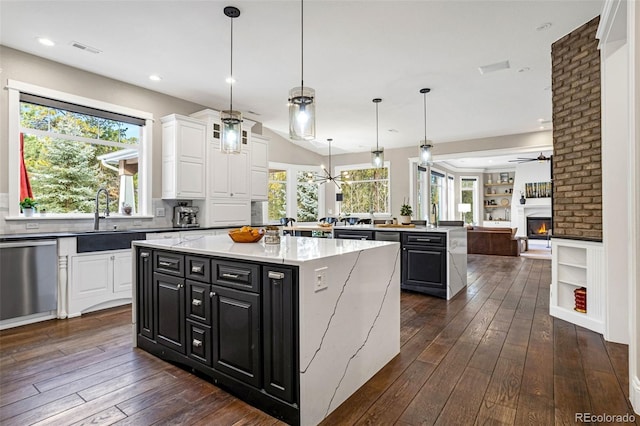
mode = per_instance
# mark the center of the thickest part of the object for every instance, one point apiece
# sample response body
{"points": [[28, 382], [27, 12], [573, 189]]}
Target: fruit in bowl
{"points": [[246, 234]]}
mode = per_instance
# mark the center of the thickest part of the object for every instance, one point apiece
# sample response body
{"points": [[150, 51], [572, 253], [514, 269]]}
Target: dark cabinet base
{"points": [[288, 413]]}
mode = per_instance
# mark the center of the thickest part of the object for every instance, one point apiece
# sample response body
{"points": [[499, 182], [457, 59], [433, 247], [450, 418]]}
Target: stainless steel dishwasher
{"points": [[28, 278]]}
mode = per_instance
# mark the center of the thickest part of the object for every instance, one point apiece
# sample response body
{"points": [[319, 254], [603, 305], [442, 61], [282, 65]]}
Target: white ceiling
{"points": [[354, 51]]}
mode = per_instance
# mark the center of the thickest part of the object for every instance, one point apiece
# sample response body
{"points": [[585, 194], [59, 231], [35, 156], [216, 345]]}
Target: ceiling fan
{"points": [[540, 158]]}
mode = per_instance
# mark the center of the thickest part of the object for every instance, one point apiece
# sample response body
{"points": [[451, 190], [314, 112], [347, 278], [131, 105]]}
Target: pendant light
{"points": [[231, 139], [425, 145], [302, 106], [377, 154]]}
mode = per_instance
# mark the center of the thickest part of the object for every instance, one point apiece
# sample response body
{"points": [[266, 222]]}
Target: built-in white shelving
{"points": [[577, 264]]}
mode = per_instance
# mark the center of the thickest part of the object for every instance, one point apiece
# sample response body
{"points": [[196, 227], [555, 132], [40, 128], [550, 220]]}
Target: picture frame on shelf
{"points": [[504, 177]]}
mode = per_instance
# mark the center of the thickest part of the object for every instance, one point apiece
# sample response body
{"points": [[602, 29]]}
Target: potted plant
{"points": [[28, 206], [405, 214]]}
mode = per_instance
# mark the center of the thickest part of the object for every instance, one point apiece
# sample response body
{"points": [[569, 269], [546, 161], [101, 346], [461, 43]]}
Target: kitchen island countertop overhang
{"points": [[347, 312]]}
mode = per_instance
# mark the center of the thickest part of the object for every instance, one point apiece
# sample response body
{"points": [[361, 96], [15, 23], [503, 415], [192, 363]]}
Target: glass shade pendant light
{"points": [[302, 105], [231, 138], [425, 145], [377, 154]]}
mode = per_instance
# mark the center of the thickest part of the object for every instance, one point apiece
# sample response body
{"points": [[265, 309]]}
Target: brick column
{"points": [[577, 168]]}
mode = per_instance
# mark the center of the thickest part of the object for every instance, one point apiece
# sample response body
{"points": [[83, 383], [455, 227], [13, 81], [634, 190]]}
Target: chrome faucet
{"points": [[96, 218]]}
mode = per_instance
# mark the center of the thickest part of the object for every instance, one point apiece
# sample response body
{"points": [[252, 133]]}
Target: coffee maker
{"points": [[185, 216]]}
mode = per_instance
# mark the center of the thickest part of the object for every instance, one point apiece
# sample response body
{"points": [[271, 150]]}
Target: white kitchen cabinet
{"points": [[183, 157], [229, 212], [259, 167], [228, 176], [99, 280]]}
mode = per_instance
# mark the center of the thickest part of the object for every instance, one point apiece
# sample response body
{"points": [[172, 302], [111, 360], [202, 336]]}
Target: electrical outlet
{"points": [[160, 212], [32, 225], [321, 279]]}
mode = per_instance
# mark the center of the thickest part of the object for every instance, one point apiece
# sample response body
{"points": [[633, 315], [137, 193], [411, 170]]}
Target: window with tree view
{"points": [[70, 151], [277, 195], [366, 191]]}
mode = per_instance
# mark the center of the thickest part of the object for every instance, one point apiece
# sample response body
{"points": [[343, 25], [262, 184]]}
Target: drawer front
{"points": [[199, 342], [199, 301], [168, 263], [425, 239], [353, 235], [198, 268], [242, 276]]}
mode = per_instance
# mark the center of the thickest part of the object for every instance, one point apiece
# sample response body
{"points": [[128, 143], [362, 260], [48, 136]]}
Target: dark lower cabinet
{"points": [[353, 234], [233, 321], [236, 334], [146, 295], [280, 355], [169, 315], [424, 264]]}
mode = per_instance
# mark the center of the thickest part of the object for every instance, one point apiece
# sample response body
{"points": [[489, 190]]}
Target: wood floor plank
{"points": [[506, 382], [495, 414], [388, 408], [465, 401], [429, 401]]}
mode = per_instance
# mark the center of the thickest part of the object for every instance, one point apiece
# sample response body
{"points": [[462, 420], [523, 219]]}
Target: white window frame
{"points": [[477, 214], [145, 168], [292, 185], [337, 170]]}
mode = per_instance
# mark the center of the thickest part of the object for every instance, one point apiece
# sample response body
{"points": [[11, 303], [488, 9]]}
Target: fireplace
{"points": [[538, 228]]}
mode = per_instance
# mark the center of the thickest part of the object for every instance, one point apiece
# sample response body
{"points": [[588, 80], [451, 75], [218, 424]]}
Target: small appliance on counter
{"points": [[185, 216]]}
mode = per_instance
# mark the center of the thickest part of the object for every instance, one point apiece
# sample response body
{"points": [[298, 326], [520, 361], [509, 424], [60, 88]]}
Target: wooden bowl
{"points": [[245, 237]]}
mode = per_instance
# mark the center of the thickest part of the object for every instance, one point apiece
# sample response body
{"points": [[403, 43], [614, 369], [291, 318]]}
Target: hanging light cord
{"points": [[377, 149], [231, 71], [302, 45], [425, 118]]}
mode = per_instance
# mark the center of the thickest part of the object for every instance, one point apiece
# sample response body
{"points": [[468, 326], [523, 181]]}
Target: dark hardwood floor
{"points": [[492, 355]]}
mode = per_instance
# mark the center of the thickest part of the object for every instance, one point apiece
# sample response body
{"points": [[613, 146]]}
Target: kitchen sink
{"points": [[107, 240]]}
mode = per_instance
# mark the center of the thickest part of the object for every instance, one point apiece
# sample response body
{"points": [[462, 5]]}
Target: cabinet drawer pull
{"points": [[196, 269], [276, 275], [228, 275], [167, 264], [423, 239], [197, 343], [196, 302], [144, 254]]}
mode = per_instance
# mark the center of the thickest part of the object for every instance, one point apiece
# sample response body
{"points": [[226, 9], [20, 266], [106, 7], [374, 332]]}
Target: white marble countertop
{"points": [[291, 250]]}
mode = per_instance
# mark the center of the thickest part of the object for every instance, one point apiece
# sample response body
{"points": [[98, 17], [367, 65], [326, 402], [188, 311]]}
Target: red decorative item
{"points": [[580, 295]]}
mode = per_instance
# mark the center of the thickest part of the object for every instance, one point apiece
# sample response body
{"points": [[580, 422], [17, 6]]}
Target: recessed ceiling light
{"points": [[540, 120], [230, 80], [155, 77], [544, 26], [45, 41]]}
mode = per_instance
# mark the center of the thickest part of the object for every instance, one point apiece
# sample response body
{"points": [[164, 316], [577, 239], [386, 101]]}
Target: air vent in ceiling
{"points": [[485, 69], [85, 47]]}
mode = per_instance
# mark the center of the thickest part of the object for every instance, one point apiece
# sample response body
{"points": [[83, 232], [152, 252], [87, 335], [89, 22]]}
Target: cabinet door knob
{"points": [[212, 294], [144, 254], [196, 302], [197, 343], [180, 285]]}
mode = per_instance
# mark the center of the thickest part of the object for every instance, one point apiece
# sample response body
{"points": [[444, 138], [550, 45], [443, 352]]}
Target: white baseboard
{"points": [[634, 394]]}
